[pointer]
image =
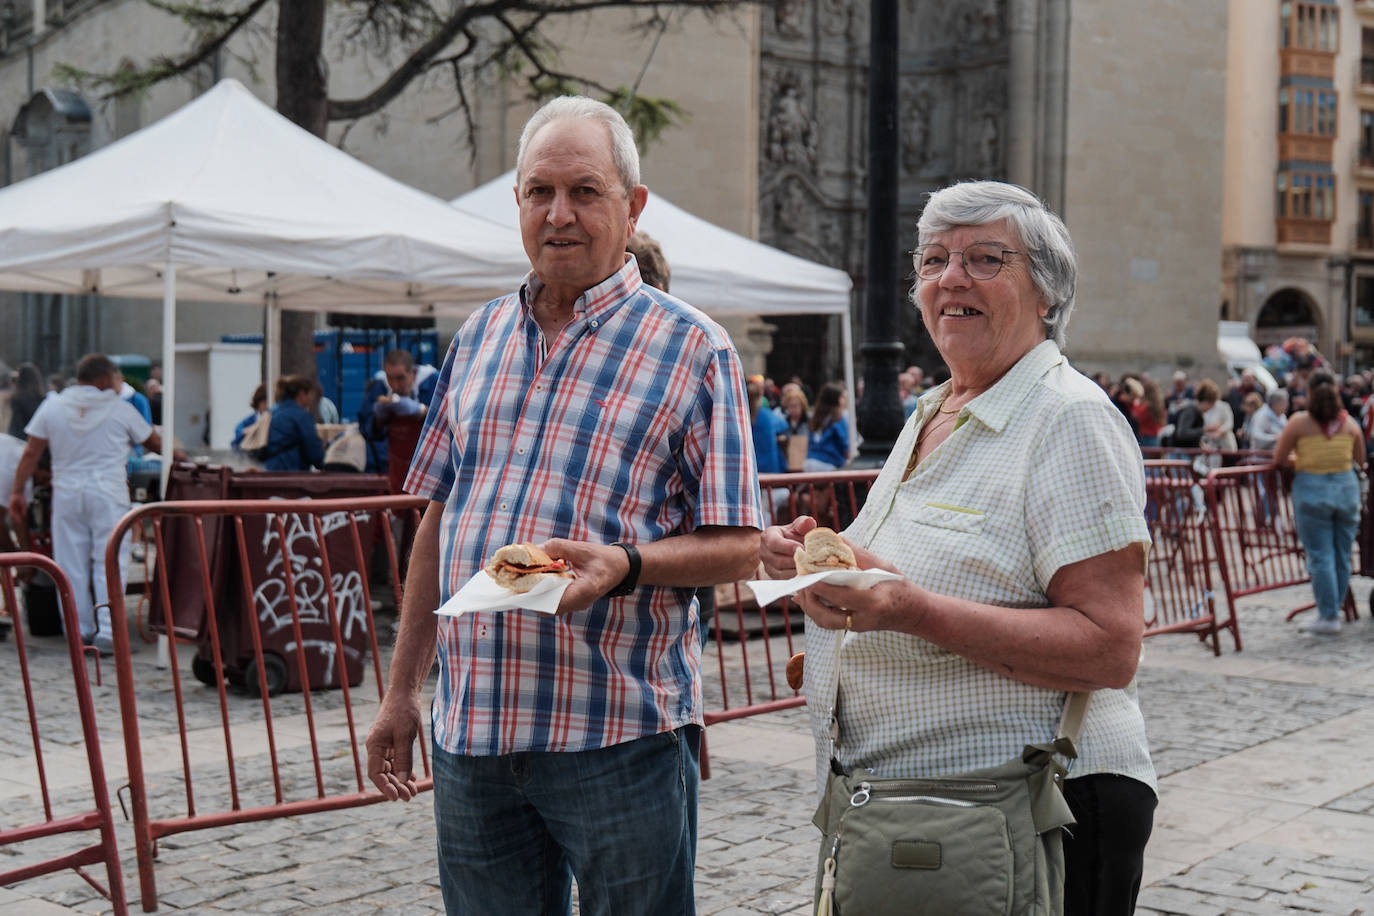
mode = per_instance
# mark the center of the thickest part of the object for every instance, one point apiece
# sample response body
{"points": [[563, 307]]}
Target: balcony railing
{"points": [[1299, 231]]}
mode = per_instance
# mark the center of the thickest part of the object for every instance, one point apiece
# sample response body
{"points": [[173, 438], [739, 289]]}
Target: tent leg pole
{"points": [[169, 406]]}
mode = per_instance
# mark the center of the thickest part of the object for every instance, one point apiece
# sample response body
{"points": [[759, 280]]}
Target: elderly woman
{"points": [[1013, 507]]}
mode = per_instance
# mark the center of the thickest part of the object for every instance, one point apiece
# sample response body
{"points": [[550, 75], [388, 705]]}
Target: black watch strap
{"points": [[631, 579]]}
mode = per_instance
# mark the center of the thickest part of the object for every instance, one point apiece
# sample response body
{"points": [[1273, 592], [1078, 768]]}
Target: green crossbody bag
{"points": [[981, 843]]}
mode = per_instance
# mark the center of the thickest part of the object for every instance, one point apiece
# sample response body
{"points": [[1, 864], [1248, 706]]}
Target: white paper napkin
{"points": [[481, 593], [766, 591]]}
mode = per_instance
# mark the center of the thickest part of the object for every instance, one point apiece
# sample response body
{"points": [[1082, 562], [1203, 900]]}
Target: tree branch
{"points": [[421, 58], [164, 67]]}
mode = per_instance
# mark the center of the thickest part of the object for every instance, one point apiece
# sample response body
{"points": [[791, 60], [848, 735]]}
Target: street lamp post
{"points": [[880, 413]]}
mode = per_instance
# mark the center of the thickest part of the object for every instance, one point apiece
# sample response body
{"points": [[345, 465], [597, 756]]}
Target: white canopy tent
{"points": [[224, 200], [714, 269]]}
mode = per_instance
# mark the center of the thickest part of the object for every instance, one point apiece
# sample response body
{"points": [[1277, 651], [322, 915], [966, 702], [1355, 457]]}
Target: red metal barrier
{"points": [[296, 591], [1256, 540], [97, 819], [1178, 580], [752, 677], [1211, 458]]}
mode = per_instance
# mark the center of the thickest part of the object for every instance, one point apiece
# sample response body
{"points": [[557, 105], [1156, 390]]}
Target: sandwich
{"points": [[822, 551], [520, 567]]}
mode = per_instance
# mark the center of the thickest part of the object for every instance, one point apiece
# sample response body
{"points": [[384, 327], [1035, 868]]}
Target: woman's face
{"points": [[794, 409], [982, 327]]}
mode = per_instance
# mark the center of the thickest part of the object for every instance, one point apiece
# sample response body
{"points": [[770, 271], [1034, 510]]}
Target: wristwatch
{"points": [[631, 579]]}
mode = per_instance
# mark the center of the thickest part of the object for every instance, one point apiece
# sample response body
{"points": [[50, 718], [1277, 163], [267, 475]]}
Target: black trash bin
{"points": [[269, 599]]}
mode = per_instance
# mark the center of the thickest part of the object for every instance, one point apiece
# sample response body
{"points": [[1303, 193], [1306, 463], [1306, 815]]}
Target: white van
{"points": [[1238, 352]]}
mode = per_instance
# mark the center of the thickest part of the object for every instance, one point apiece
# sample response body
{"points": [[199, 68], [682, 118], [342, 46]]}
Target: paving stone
{"points": [[757, 847]]}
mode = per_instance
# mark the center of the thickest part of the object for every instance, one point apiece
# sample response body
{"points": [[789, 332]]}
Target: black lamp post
{"points": [[880, 413]]}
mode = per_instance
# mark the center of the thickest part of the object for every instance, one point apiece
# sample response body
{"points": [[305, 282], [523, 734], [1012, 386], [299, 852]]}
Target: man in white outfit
{"points": [[88, 429]]}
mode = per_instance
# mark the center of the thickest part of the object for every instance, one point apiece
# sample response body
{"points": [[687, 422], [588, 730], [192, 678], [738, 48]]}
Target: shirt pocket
{"points": [[951, 517]]}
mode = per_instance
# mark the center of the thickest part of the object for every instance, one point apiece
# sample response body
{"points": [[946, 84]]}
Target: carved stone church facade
{"points": [[1019, 90]]}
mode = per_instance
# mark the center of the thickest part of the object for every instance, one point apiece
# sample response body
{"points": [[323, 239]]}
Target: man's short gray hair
{"points": [[1043, 237], [1276, 396], [574, 107]]}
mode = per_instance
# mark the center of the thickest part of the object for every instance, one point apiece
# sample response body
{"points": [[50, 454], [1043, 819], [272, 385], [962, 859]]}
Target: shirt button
{"points": [[1107, 507], [594, 323], [520, 450], [505, 506], [947, 516]]}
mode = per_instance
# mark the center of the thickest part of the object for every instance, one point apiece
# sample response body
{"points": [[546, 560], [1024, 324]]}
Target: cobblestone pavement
{"points": [[1267, 798]]}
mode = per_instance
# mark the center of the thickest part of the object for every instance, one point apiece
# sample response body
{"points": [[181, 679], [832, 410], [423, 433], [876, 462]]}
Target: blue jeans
{"points": [[513, 831], [1326, 509]]}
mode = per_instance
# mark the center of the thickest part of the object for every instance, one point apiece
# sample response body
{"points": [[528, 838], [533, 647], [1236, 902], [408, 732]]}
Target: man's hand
{"points": [[391, 744], [780, 542], [18, 507], [405, 407], [597, 569]]}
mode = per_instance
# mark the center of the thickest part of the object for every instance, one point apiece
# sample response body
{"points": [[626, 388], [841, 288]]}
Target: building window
{"points": [[1310, 26], [1364, 301], [1307, 111], [1364, 225], [1367, 56], [1366, 137], [1306, 195]]}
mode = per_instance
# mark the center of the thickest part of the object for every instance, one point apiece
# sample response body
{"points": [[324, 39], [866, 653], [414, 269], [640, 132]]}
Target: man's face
{"points": [[575, 216], [401, 379]]}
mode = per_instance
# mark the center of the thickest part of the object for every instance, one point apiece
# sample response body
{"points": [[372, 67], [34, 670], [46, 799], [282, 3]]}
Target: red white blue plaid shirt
{"points": [[632, 427]]}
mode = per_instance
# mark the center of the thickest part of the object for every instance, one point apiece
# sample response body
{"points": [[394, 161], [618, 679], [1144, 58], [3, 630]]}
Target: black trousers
{"points": [[1105, 856]]}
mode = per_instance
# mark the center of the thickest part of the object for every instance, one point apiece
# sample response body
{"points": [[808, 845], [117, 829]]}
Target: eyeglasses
{"points": [[982, 261]]}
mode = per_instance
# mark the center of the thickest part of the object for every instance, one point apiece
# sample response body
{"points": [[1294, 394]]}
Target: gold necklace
{"points": [[941, 408], [929, 428]]}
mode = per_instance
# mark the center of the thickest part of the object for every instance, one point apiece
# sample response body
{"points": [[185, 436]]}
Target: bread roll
{"points": [[823, 550], [520, 567]]}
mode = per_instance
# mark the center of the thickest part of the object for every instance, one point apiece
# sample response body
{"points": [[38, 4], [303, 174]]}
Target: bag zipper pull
{"points": [[861, 795], [825, 904]]}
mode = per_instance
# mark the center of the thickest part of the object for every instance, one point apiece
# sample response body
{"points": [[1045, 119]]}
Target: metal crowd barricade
{"points": [[228, 763], [752, 676], [1178, 579], [52, 824], [1256, 539]]}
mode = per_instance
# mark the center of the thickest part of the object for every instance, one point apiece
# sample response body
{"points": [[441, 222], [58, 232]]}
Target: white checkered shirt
{"points": [[1041, 471]]}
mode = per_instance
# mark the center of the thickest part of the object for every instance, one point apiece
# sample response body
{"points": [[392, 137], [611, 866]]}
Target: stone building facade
{"points": [[707, 65], [1298, 228], [1113, 111], [1084, 103]]}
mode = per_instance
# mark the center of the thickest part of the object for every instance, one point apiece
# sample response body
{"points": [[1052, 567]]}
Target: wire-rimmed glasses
{"points": [[981, 261]]}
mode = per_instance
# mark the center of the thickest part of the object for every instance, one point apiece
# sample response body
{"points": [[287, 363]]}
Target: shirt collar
{"points": [[994, 407], [599, 301]]}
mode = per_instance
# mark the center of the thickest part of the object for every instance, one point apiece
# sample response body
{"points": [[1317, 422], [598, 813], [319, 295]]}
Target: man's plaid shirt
{"points": [[633, 426]]}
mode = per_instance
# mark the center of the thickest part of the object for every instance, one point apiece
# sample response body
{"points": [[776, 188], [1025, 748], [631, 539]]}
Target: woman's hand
{"points": [[886, 606]]}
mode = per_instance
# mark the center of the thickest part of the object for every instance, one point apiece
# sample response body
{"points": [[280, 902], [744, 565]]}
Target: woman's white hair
{"points": [[574, 107], [1042, 237]]}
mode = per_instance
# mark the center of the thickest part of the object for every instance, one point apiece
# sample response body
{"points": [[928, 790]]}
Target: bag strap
{"points": [[1070, 722]]}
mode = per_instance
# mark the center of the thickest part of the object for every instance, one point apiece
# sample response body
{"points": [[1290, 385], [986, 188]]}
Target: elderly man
{"points": [[89, 429], [607, 421]]}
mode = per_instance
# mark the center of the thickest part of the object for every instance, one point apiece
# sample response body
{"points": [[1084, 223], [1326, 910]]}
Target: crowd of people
{"points": [[1236, 414]]}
